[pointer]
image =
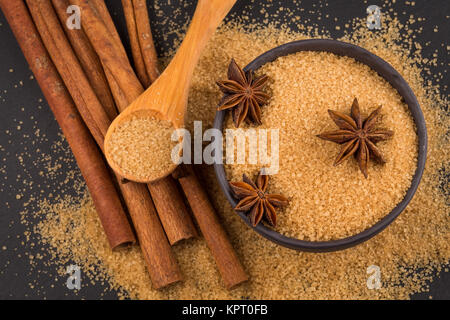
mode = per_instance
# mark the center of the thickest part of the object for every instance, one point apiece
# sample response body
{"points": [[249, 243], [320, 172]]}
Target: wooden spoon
{"points": [[166, 99]]}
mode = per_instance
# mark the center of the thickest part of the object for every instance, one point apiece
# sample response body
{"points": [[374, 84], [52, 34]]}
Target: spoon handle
{"points": [[170, 91]]}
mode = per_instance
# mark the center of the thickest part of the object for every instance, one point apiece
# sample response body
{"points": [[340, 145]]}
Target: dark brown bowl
{"points": [[386, 71]]}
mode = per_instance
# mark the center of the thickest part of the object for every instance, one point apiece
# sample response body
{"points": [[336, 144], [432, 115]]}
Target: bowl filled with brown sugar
{"points": [[313, 85]]}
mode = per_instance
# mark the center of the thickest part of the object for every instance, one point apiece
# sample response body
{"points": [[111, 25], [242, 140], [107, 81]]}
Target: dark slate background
{"points": [[15, 270]]}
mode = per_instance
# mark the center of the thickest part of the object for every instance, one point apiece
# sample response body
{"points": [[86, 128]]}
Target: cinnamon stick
{"points": [[228, 263], [162, 266], [169, 204], [174, 215], [102, 10], [145, 38], [85, 151], [108, 49], [119, 96], [99, 76], [88, 60], [69, 68], [139, 64], [163, 269], [99, 6]]}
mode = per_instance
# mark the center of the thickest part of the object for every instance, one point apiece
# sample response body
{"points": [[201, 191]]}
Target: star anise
{"points": [[254, 199], [244, 94], [357, 137]]}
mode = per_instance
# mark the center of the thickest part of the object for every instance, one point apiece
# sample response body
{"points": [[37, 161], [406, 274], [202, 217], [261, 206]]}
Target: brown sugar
{"points": [[326, 202], [142, 147]]}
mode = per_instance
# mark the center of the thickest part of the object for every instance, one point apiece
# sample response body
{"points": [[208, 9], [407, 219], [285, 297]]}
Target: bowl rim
{"points": [[385, 70]]}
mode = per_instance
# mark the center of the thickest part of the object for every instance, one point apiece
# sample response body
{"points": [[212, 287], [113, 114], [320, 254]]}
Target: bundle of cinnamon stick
{"points": [[87, 80]]}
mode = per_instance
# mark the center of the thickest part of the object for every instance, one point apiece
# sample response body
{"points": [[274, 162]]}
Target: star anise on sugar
{"points": [[357, 137], [254, 199], [244, 94]]}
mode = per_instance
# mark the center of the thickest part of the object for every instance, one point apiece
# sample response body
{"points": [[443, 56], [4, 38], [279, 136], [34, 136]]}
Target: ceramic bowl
{"points": [[386, 71]]}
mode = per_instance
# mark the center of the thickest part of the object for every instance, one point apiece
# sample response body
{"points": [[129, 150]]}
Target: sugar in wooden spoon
{"points": [[138, 143]]}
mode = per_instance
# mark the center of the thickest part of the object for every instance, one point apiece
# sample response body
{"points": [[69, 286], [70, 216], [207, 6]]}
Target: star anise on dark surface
{"points": [[357, 137], [244, 94], [254, 199]]}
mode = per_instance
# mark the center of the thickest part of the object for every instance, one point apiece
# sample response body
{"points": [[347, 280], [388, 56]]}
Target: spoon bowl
{"points": [[127, 117]]}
